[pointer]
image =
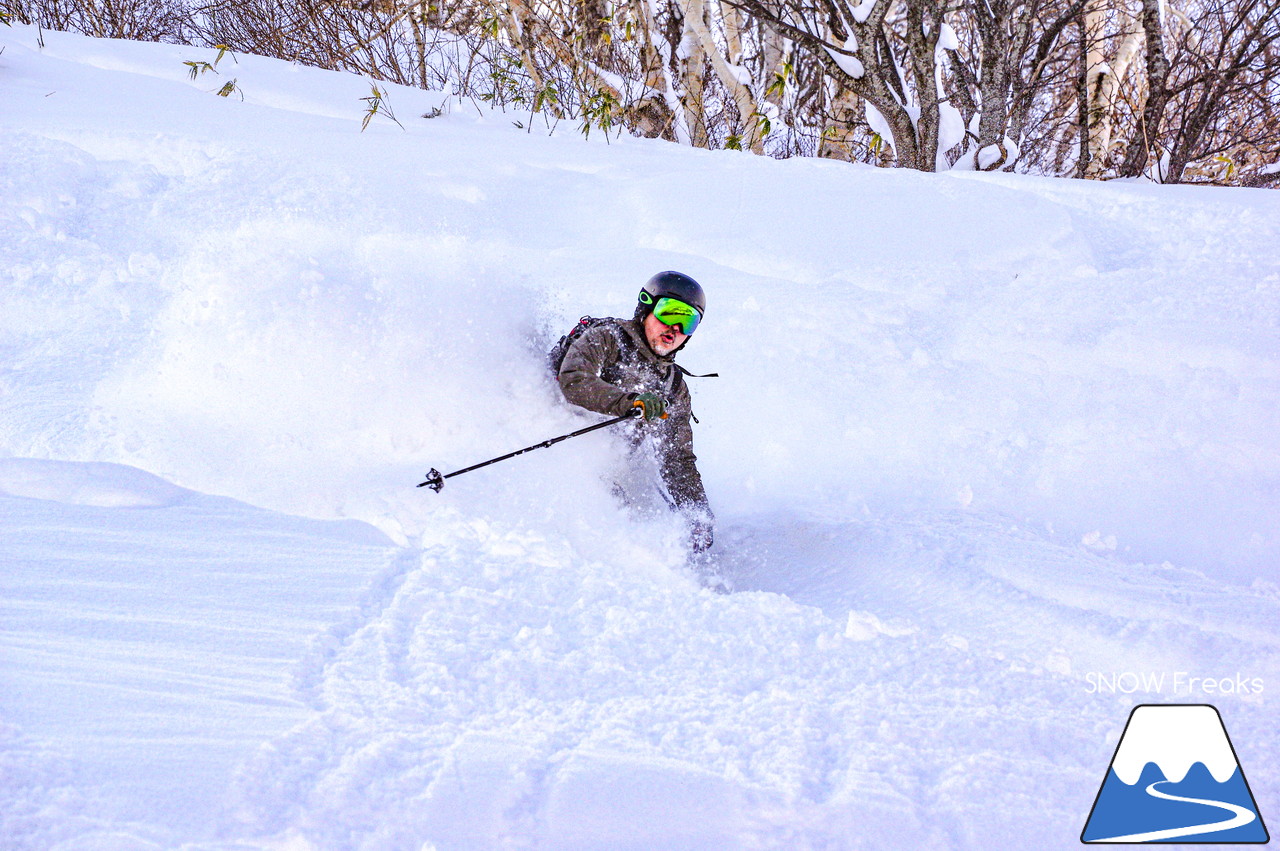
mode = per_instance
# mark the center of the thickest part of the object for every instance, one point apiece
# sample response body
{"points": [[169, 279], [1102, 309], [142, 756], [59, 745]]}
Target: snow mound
{"points": [[99, 484]]}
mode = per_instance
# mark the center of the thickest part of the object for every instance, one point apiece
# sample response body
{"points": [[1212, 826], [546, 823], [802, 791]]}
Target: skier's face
{"points": [[663, 339]]}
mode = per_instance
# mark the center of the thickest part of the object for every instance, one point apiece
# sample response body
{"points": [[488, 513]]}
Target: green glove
{"points": [[651, 405]]}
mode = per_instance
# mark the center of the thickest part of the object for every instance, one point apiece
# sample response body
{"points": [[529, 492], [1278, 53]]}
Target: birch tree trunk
{"points": [[994, 81], [1082, 98], [1104, 78], [692, 65], [518, 21], [839, 142], [1157, 68], [924, 27], [695, 18], [662, 62]]}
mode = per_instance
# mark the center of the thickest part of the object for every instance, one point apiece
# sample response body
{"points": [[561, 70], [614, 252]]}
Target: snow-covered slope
{"points": [[977, 439]]}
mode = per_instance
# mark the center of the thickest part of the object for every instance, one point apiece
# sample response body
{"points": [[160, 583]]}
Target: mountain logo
{"points": [[1175, 778]]}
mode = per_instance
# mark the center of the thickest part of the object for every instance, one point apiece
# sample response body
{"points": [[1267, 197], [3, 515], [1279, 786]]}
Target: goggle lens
{"points": [[673, 311]]}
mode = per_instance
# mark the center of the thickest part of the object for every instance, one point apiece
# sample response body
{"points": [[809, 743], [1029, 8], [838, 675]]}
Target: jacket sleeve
{"points": [[579, 375], [679, 465]]}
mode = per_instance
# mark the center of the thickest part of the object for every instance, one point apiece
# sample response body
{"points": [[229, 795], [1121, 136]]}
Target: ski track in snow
{"points": [[977, 437]]}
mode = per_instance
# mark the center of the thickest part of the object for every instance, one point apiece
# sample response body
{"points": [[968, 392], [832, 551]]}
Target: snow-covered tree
{"points": [[1211, 93], [1177, 90]]}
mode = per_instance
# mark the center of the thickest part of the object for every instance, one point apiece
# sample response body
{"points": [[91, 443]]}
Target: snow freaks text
{"points": [[1176, 683]]}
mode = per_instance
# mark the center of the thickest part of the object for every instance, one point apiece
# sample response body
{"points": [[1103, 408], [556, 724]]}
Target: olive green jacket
{"points": [[606, 367]]}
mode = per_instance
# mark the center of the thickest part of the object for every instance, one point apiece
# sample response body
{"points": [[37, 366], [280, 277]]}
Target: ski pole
{"points": [[435, 480]]}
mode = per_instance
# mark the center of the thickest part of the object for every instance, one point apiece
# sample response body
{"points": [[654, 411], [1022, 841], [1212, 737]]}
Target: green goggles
{"points": [[673, 311]]}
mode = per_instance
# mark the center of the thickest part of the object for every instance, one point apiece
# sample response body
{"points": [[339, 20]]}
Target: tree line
{"points": [[1179, 91]]}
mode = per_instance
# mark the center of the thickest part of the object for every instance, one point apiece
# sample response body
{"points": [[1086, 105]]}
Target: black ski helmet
{"points": [[671, 285]]}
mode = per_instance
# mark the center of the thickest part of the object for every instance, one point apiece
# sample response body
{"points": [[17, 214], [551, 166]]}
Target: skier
{"points": [[612, 366]]}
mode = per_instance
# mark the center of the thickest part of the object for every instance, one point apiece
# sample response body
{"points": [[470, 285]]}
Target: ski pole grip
{"points": [[637, 405]]}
